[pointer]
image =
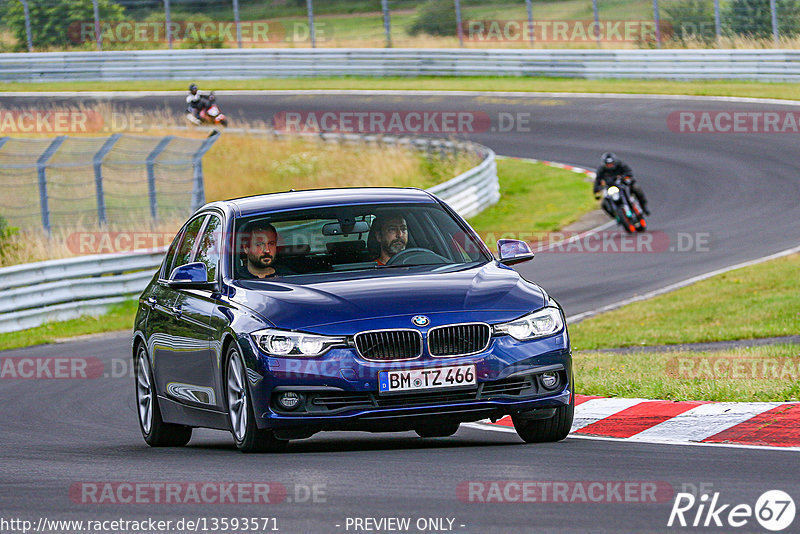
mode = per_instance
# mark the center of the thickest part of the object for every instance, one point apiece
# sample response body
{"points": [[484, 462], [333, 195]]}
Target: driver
{"points": [[260, 244], [611, 168], [391, 232]]}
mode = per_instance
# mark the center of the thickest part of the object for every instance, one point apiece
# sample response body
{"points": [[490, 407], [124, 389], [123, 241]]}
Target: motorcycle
{"points": [[625, 206], [209, 112]]}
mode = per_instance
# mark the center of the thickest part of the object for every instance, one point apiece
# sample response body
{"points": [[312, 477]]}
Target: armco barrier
{"points": [[763, 65], [57, 290]]}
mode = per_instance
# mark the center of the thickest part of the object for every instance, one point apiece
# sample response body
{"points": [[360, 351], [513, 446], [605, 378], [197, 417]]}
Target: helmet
{"points": [[609, 158], [193, 88]]}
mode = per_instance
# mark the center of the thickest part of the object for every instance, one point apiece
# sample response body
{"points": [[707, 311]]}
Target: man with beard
{"points": [[391, 233], [260, 245]]}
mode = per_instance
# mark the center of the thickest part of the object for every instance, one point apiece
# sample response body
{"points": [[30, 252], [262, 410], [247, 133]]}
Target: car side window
{"points": [[208, 252], [170, 256], [186, 247]]}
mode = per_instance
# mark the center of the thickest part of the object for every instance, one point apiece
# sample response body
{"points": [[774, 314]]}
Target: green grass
{"points": [[769, 373], [553, 198], [754, 302], [360, 23], [564, 9], [119, 317], [429, 83]]}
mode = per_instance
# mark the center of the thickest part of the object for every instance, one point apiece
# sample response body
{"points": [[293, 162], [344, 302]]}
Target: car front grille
{"points": [[459, 339], [389, 345], [517, 387]]}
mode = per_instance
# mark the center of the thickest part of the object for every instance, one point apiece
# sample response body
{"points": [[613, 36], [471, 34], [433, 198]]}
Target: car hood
{"points": [[345, 304]]}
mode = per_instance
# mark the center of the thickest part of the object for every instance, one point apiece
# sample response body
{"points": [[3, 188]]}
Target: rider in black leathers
{"points": [[194, 102], [611, 168]]}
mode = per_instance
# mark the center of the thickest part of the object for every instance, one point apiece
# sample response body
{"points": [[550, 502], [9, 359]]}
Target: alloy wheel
{"points": [[144, 391], [237, 396]]}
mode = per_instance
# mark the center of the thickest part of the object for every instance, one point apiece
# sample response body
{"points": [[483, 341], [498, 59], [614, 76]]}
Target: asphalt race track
{"points": [[735, 193]]}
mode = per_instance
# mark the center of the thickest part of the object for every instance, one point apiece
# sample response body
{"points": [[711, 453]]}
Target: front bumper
{"points": [[340, 390]]}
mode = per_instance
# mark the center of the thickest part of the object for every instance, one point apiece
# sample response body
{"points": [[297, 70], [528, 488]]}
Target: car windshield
{"points": [[351, 238]]}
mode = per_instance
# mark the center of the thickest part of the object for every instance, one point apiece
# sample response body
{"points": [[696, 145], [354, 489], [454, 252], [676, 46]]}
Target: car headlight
{"points": [[544, 322], [294, 344]]}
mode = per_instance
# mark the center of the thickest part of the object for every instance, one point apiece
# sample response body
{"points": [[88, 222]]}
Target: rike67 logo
{"points": [[774, 510]]}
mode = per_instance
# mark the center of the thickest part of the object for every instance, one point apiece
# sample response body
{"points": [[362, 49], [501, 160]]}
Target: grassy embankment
{"points": [[783, 91], [754, 302]]}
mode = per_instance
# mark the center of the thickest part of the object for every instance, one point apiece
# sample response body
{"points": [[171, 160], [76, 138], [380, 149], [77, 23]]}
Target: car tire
{"points": [[547, 430], [155, 431], [246, 434], [441, 430]]}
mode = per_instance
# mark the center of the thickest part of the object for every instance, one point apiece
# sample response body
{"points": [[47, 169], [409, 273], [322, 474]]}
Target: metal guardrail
{"points": [[57, 290], [763, 65]]}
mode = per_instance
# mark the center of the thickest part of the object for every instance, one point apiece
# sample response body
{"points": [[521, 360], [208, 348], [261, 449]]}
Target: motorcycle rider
{"points": [[194, 104], [611, 168]]}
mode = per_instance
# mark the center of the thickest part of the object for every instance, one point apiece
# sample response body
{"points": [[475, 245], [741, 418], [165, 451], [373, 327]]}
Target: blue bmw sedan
{"points": [[376, 309]]}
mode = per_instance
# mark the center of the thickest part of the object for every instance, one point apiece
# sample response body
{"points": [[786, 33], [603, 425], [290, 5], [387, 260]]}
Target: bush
{"points": [[57, 23], [435, 17], [192, 32], [7, 245], [690, 20], [752, 18]]}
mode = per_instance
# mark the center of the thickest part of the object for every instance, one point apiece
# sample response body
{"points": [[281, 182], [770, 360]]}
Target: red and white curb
{"points": [[574, 168], [752, 424]]}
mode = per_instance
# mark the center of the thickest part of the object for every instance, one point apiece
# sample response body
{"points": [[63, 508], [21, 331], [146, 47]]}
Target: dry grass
{"points": [[243, 164], [736, 42], [279, 165], [30, 245]]}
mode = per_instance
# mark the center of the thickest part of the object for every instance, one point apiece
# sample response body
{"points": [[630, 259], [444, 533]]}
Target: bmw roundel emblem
{"points": [[420, 320]]}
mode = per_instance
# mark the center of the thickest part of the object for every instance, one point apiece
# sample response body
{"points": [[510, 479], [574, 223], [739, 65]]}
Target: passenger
{"points": [[260, 244]]}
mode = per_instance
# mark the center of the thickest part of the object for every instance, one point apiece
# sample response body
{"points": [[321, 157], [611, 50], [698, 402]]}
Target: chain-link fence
{"points": [[81, 182], [153, 24]]}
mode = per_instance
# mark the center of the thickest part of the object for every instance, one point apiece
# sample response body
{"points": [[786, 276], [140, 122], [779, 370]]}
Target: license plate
{"points": [[433, 378]]}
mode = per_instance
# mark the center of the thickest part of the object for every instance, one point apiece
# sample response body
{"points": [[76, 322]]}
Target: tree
{"points": [[690, 19], [752, 18], [57, 23], [435, 17]]}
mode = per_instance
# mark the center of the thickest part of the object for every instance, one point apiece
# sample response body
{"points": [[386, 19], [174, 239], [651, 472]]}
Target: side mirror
{"points": [[513, 251], [190, 276]]}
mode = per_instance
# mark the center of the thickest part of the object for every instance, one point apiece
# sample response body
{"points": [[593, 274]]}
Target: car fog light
{"points": [[289, 400], [549, 380]]}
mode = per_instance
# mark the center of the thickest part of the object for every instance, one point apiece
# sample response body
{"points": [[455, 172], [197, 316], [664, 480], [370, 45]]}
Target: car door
{"points": [[169, 337], [195, 365], [160, 320]]}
